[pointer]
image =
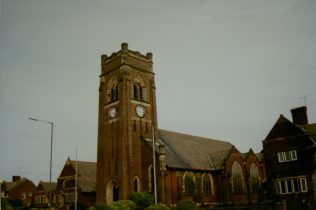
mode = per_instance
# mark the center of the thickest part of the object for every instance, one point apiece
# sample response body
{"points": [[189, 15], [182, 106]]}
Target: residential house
{"points": [[20, 189], [44, 193], [68, 186], [289, 153]]}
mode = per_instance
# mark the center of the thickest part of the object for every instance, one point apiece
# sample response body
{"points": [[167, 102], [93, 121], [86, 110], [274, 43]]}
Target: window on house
{"points": [[37, 199], [237, 178], [303, 184], [291, 185], [70, 197], [69, 183], [23, 196], [207, 184], [287, 156], [295, 185], [280, 157], [189, 185], [293, 155]]}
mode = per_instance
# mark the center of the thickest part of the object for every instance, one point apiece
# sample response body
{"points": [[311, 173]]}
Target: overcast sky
{"points": [[224, 70]]}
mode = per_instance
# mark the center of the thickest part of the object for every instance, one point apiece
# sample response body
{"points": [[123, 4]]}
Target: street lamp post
{"points": [[51, 145]]}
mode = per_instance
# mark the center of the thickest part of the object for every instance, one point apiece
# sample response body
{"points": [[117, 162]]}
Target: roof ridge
{"points": [[195, 136]]}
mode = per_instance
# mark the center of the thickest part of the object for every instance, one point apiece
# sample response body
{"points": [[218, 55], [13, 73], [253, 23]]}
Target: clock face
{"points": [[112, 112], [140, 111]]}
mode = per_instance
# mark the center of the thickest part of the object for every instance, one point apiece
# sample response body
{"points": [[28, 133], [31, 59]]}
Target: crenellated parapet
{"points": [[126, 57]]}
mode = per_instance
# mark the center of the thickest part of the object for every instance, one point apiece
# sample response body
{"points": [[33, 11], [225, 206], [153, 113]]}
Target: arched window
{"points": [[254, 178], [136, 184], [207, 184], [113, 91], [139, 90], [237, 178], [189, 184]]}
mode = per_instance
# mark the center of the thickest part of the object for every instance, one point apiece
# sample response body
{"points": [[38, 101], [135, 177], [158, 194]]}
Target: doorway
{"points": [[112, 192]]}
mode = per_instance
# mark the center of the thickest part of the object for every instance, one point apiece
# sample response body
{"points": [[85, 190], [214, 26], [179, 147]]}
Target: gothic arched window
{"points": [[136, 184], [237, 178], [254, 178], [189, 184], [113, 91], [139, 90], [207, 184]]}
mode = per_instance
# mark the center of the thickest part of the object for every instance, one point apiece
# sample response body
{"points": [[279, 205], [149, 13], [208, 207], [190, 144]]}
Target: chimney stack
{"points": [[16, 178], [299, 115]]}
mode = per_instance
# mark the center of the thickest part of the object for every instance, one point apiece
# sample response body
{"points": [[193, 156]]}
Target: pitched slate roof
{"points": [[86, 175], [192, 152], [311, 130], [260, 156], [8, 185], [12, 185], [48, 186], [283, 128]]}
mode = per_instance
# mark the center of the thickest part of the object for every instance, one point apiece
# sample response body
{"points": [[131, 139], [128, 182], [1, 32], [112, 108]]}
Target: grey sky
{"points": [[224, 70]]}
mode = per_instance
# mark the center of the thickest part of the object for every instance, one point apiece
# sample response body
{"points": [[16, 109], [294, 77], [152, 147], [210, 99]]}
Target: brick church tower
{"points": [[127, 116]]}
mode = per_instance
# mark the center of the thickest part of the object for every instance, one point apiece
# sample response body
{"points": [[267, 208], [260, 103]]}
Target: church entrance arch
{"points": [[112, 192]]}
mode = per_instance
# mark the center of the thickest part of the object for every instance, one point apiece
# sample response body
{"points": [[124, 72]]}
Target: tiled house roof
{"points": [[311, 130], [7, 186], [260, 156], [12, 185], [86, 175], [48, 186], [192, 152], [285, 128]]}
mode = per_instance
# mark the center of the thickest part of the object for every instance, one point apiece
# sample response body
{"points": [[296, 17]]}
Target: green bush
{"points": [[5, 202], [186, 205], [119, 206], [131, 205], [100, 207], [141, 199], [8, 207], [91, 208], [158, 206]]}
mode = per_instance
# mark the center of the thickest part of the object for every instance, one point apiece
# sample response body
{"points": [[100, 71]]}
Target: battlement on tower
{"points": [[126, 57]]}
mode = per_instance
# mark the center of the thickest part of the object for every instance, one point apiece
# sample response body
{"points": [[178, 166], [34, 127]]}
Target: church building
{"points": [[132, 151]]}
